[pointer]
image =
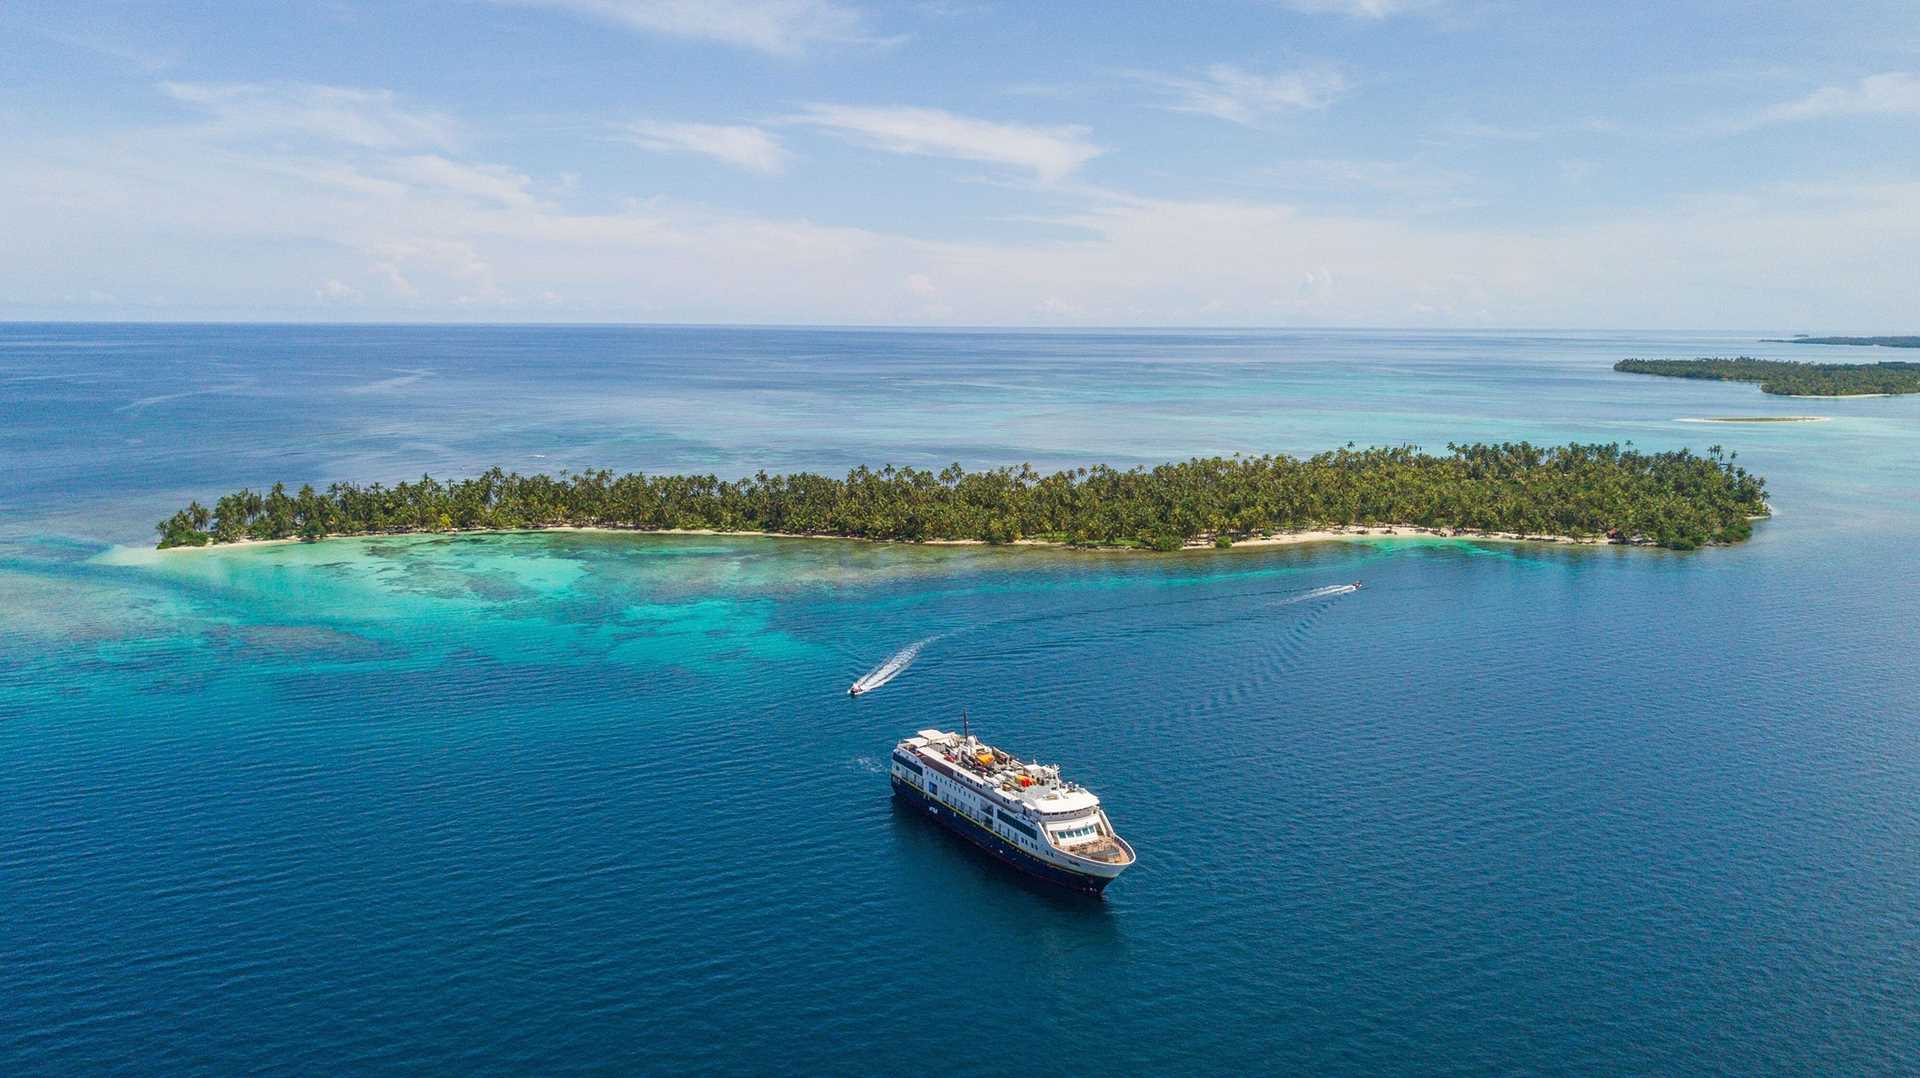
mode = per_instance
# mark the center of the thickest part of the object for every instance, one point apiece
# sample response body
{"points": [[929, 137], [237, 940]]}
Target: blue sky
{"points": [[1214, 162]]}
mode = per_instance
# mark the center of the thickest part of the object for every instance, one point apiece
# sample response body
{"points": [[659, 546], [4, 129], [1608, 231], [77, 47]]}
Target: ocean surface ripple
{"points": [[566, 803]]}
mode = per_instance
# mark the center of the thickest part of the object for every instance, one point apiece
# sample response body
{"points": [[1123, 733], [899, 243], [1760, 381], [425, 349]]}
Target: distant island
{"points": [[1789, 379], [1884, 342], [1574, 492]]}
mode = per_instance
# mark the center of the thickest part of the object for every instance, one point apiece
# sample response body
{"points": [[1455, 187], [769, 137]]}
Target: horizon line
{"points": [[913, 327]]}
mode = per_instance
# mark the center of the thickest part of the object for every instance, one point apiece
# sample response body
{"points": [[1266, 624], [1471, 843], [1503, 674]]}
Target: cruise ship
{"points": [[1022, 812]]}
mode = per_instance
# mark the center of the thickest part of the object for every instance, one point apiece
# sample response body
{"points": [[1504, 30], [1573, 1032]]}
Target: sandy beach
{"points": [[1755, 419]]}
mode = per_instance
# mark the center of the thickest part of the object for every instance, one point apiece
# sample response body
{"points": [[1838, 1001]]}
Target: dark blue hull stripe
{"points": [[997, 845]]}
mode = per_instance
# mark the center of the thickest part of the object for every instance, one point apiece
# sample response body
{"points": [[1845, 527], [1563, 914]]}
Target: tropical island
{"points": [[1883, 342], [1584, 492], [1789, 379]]}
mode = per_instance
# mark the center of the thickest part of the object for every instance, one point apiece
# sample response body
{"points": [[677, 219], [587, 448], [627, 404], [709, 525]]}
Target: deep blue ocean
{"points": [[575, 802]]}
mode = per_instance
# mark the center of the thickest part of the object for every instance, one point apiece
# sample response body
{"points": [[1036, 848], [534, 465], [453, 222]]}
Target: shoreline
{"points": [[1835, 396], [1754, 419], [1343, 533]]}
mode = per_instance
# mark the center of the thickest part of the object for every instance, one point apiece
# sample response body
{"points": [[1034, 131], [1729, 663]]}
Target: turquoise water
{"points": [[574, 802]]}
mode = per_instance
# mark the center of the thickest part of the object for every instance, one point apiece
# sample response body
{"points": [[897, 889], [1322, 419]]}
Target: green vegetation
{"points": [[1884, 342], [1788, 379], [1673, 499]]}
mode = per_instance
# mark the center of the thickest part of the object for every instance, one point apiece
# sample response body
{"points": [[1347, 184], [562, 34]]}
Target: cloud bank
{"points": [[296, 200]]}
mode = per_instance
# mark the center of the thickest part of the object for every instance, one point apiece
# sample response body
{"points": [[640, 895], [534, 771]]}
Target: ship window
{"points": [[1018, 825]]}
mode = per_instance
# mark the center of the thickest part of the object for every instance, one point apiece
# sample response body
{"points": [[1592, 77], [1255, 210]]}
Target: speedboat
{"points": [[855, 689]]}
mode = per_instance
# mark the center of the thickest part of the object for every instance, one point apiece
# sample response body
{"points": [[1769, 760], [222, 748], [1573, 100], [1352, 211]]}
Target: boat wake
{"points": [[1327, 592], [895, 665]]}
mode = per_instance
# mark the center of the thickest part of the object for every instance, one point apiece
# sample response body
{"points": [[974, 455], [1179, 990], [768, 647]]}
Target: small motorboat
{"points": [[855, 689]]}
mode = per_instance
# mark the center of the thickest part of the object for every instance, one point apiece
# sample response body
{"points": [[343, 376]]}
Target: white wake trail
{"points": [[1327, 592], [895, 665]]}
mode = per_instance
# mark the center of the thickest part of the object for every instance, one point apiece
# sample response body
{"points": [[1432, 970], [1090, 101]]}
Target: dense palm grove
{"points": [[1674, 499], [1789, 379]]}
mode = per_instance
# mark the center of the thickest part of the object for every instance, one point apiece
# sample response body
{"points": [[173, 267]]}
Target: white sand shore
{"points": [[1403, 531], [1754, 419]]}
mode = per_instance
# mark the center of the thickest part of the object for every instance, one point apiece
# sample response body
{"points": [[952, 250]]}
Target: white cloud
{"points": [[449, 258], [397, 284], [1230, 93], [736, 144], [338, 291], [253, 226], [1051, 153], [1393, 176], [1359, 9], [1458, 131], [1477, 131], [780, 27], [338, 114], [1894, 93], [489, 183]]}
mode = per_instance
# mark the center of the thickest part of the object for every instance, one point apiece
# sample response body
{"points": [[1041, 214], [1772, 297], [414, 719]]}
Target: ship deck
{"points": [[1106, 850], [1001, 781]]}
